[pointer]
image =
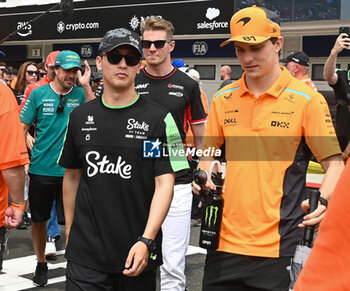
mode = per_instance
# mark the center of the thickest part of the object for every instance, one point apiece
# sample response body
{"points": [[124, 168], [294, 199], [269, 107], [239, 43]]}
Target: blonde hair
{"points": [[158, 23]]}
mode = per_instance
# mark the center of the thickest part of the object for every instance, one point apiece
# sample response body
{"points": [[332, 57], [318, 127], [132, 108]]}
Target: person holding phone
{"points": [[339, 80]]}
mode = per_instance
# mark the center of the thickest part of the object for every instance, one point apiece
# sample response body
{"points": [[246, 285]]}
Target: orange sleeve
{"points": [[318, 128], [214, 136], [204, 102], [13, 151], [328, 265]]}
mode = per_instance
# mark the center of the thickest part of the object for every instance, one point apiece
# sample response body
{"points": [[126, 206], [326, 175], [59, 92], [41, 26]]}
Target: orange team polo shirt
{"points": [[306, 79], [262, 136], [13, 151], [327, 267]]}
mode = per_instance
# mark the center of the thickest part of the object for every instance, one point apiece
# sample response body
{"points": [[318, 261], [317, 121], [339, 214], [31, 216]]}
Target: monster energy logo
{"points": [[209, 212]]}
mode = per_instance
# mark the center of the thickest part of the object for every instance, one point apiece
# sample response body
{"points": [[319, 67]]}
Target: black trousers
{"points": [[83, 278], [231, 272]]}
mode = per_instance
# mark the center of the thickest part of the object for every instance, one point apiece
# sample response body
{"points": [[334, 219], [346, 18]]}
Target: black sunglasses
{"points": [[31, 73], [60, 106], [115, 58], [146, 44], [42, 75]]}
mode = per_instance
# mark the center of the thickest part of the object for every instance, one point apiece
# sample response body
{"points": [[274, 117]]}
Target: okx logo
{"points": [[151, 148], [211, 215]]}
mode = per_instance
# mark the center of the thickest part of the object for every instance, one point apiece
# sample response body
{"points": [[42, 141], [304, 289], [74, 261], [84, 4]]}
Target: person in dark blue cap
{"points": [[112, 151]]}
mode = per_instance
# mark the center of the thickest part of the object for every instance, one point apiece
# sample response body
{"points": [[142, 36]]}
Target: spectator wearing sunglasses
{"points": [[42, 70], [164, 84], [49, 106], [114, 216], [28, 73]]}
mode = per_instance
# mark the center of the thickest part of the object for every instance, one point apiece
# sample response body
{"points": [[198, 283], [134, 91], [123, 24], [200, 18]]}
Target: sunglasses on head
{"points": [[31, 73], [115, 58], [146, 44], [60, 106]]}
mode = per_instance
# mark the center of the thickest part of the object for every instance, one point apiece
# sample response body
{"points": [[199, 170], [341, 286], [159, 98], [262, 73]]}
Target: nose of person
{"points": [[152, 47], [122, 63]]}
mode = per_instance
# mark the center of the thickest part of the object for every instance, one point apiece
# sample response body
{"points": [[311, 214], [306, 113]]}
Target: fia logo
{"points": [[151, 148], [199, 48]]}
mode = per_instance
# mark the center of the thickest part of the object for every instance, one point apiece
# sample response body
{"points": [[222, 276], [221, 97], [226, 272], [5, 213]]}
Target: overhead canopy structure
{"points": [[91, 19]]}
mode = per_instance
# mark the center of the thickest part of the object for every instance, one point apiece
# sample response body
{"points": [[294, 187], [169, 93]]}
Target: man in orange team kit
{"points": [[266, 119], [13, 157], [297, 64]]}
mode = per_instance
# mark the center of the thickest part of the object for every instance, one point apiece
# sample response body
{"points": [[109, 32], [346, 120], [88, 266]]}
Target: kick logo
{"points": [[151, 148], [211, 211]]}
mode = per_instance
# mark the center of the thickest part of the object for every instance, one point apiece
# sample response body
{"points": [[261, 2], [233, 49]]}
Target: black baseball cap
{"points": [[297, 57], [117, 37]]}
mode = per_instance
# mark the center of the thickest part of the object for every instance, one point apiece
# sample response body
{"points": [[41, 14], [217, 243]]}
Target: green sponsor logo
{"points": [[153, 256], [210, 212]]}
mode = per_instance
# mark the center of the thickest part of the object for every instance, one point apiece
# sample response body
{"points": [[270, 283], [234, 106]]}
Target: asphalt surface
{"points": [[19, 264]]}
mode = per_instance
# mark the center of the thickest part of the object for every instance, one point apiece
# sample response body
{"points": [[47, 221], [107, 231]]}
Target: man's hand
{"points": [[13, 217], [84, 80], [342, 42], [137, 260], [313, 218], [30, 141]]}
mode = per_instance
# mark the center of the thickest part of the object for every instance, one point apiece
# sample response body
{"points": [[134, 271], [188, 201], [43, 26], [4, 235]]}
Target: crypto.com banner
{"points": [[91, 19]]}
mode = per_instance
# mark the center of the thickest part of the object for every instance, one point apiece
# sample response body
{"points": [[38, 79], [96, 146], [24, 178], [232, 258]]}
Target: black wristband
{"points": [[323, 201], [150, 243]]}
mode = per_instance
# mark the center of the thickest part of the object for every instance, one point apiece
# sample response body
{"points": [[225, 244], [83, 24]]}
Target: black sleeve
{"points": [[69, 157], [197, 109], [341, 88]]}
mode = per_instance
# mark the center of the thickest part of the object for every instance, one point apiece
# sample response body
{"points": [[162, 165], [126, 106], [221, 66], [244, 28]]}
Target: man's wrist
{"points": [[18, 206], [150, 243], [323, 201], [345, 156]]}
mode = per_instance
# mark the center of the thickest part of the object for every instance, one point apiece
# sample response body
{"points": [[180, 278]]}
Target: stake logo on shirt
{"points": [[105, 165]]}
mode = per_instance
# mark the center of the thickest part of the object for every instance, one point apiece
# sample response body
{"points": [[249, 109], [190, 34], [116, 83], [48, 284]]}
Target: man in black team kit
{"points": [[115, 200], [160, 82]]}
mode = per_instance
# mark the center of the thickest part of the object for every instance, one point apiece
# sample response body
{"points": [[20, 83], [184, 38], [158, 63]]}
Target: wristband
{"points": [[18, 206], [323, 201]]}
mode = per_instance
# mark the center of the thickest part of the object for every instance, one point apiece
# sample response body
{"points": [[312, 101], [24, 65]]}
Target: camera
{"points": [[344, 29]]}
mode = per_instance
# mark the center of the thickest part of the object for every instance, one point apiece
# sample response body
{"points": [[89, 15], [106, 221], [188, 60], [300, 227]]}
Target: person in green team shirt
{"points": [[118, 183], [49, 106]]}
